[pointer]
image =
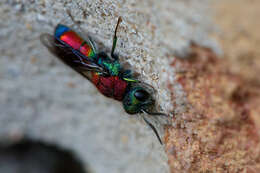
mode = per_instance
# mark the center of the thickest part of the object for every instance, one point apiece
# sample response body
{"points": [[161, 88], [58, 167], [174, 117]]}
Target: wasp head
{"points": [[137, 100]]}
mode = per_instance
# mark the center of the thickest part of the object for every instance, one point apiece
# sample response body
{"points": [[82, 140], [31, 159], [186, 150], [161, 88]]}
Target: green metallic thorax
{"points": [[113, 67]]}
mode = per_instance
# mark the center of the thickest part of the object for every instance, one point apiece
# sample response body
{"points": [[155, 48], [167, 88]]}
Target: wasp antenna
{"points": [[118, 22], [154, 129], [115, 37]]}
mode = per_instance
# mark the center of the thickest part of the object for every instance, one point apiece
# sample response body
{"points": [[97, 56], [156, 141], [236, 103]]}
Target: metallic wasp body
{"points": [[104, 71]]}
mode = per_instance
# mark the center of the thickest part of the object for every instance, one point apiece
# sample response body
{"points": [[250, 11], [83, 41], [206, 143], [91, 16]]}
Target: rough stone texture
{"points": [[220, 127], [219, 131], [40, 98], [215, 102]]}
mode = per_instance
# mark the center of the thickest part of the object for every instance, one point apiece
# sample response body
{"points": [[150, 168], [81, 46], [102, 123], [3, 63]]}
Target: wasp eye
{"points": [[141, 95]]}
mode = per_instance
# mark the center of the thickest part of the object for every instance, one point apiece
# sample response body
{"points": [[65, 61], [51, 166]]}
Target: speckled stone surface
{"points": [[41, 98]]}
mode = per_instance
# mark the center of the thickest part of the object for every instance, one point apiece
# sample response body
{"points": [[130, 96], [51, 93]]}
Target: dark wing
{"points": [[70, 56]]}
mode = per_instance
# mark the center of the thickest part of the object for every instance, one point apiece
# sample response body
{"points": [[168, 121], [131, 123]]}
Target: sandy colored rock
{"points": [[219, 131], [42, 99]]}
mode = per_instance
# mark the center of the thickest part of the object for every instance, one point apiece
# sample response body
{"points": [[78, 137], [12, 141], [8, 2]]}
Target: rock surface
{"points": [[216, 118], [219, 130]]}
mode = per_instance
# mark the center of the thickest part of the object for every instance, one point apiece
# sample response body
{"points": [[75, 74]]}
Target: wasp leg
{"points": [[102, 55], [127, 73], [127, 76], [131, 80], [154, 129], [115, 56], [115, 40]]}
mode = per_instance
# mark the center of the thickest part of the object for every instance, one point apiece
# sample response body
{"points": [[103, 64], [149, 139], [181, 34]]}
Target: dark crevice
{"points": [[28, 156]]}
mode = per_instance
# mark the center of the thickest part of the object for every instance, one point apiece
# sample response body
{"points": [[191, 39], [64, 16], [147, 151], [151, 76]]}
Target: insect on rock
{"points": [[103, 70]]}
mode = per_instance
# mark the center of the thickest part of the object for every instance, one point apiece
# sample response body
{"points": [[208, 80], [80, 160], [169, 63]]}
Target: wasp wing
{"points": [[70, 56], [88, 40]]}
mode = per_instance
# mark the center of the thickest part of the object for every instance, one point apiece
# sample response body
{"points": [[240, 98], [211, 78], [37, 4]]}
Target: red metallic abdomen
{"points": [[76, 42], [111, 86]]}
